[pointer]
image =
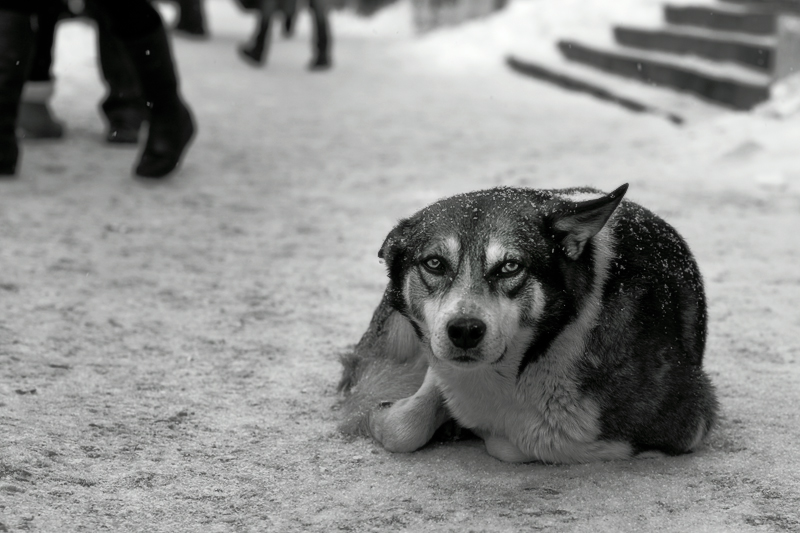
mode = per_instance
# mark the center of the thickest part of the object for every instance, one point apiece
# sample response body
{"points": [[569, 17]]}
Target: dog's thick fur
{"points": [[557, 325]]}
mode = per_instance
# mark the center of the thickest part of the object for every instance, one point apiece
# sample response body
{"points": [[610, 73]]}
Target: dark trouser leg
{"points": [[16, 47], [42, 62], [322, 36], [191, 19], [124, 106], [256, 51], [171, 128], [35, 120], [289, 8]]}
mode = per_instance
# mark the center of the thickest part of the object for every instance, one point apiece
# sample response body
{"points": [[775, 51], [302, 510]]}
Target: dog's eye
{"points": [[509, 268], [434, 265]]}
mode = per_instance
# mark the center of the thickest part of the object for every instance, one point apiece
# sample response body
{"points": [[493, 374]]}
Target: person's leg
{"points": [[171, 128], [322, 36], [35, 121], [16, 47], [289, 8], [256, 51], [191, 18], [124, 106]]}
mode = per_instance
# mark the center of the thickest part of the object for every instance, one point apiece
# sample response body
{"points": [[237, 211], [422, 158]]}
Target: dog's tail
{"points": [[385, 366]]}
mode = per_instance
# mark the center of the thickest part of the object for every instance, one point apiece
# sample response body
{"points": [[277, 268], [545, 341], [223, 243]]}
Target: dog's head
{"points": [[484, 274]]}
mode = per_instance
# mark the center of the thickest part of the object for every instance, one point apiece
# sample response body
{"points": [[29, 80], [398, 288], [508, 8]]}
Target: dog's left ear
{"points": [[583, 220], [393, 252], [394, 243]]}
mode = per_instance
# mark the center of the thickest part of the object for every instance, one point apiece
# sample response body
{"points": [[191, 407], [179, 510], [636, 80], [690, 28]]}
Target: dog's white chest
{"points": [[548, 421]]}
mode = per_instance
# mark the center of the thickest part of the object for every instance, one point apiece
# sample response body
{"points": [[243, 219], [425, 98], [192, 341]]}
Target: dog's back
{"points": [[645, 361]]}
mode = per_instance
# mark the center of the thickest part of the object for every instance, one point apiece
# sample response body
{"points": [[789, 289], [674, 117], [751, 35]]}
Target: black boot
{"points": [[125, 119], [35, 121], [171, 123], [16, 47]]}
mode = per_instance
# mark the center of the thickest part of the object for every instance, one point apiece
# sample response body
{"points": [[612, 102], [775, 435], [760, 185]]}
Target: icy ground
{"points": [[168, 353]]}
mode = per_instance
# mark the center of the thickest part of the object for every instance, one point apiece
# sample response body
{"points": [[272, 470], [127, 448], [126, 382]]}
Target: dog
{"points": [[560, 326]]}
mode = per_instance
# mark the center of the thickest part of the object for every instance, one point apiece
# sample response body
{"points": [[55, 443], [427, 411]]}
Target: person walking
{"points": [[141, 30], [255, 52], [35, 120], [191, 19], [16, 43]]}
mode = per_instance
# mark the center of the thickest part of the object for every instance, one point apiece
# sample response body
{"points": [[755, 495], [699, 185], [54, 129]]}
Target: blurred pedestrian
{"points": [[256, 51], [124, 106], [16, 43], [35, 119], [141, 31], [171, 126], [289, 11], [191, 19]]}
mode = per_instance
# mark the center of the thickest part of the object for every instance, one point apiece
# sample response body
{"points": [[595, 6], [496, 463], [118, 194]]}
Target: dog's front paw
{"points": [[398, 426]]}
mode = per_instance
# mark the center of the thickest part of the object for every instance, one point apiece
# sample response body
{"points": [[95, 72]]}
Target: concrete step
{"points": [[723, 83], [731, 17], [777, 6], [752, 52], [632, 95]]}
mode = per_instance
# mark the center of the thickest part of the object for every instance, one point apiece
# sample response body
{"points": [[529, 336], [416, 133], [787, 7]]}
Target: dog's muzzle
{"points": [[466, 333]]}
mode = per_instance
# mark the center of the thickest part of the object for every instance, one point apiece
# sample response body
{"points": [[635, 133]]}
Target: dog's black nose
{"points": [[466, 333]]}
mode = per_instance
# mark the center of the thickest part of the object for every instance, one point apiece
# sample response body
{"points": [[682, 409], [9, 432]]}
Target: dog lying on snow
{"points": [[557, 325]]}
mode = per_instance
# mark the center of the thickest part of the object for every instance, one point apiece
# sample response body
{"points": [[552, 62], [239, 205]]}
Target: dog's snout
{"points": [[466, 333]]}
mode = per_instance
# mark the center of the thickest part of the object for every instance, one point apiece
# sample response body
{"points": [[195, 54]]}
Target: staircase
{"points": [[728, 53]]}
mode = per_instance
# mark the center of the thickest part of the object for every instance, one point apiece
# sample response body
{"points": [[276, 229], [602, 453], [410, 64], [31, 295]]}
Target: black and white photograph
{"points": [[450, 266]]}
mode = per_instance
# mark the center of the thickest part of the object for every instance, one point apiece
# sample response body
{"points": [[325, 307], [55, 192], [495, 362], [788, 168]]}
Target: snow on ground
{"points": [[168, 351]]}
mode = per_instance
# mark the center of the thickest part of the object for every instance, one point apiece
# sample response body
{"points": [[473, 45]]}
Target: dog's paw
{"points": [[397, 426]]}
